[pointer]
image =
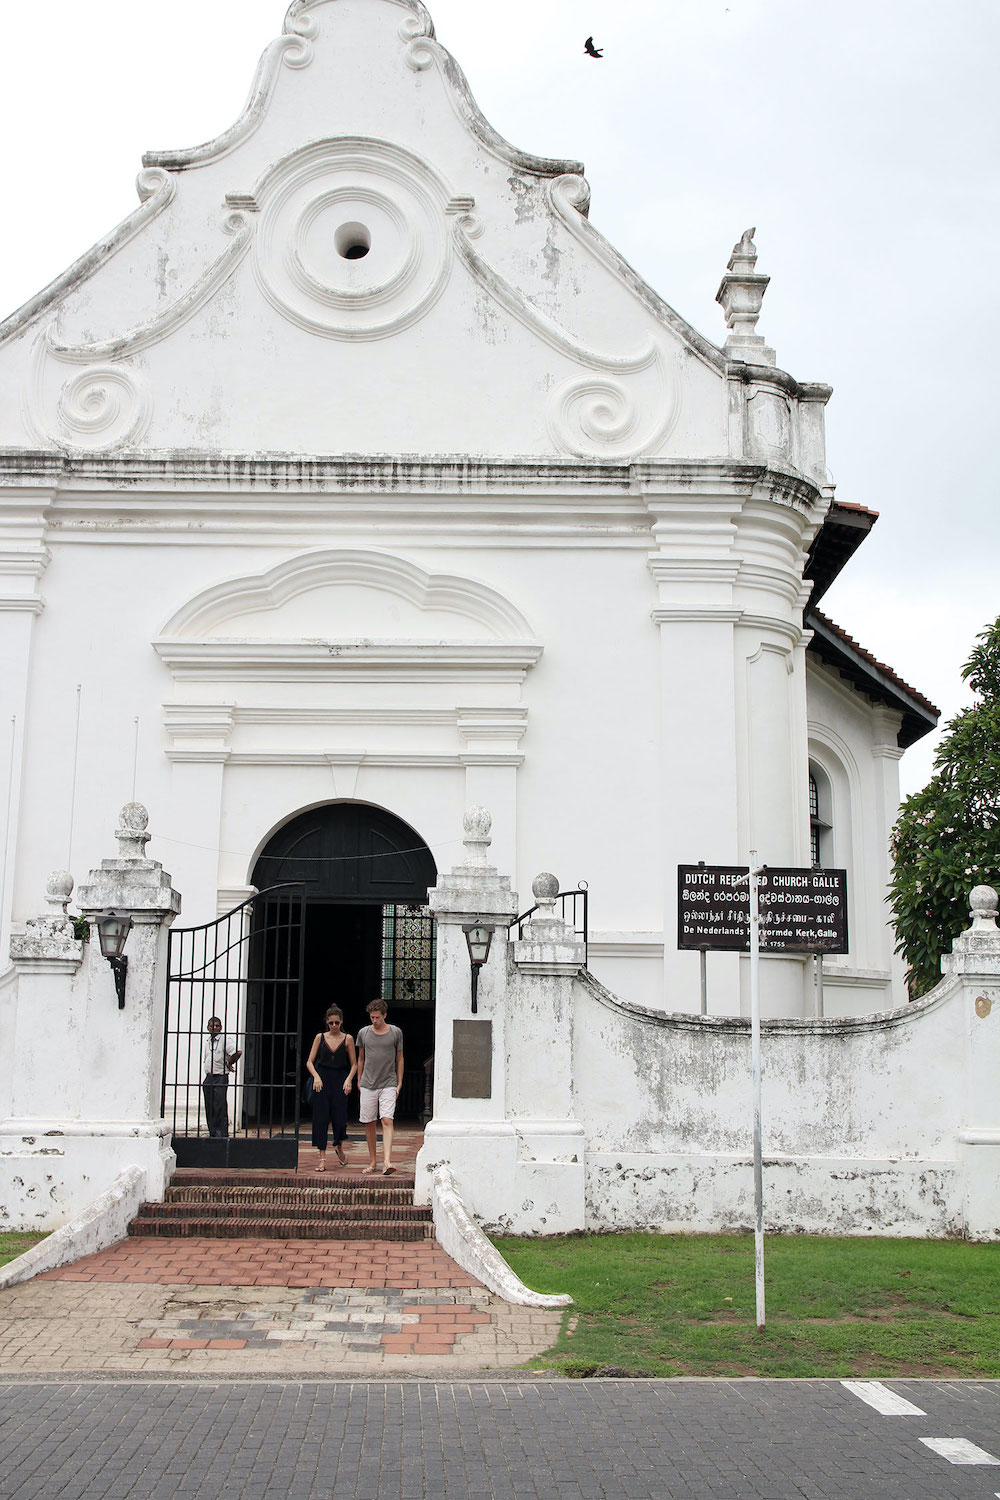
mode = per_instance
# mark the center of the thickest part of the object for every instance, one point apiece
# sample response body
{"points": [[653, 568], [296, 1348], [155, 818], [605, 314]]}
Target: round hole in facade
{"points": [[352, 241]]}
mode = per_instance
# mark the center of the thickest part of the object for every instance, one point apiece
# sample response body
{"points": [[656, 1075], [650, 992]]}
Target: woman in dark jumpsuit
{"points": [[332, 1064]]}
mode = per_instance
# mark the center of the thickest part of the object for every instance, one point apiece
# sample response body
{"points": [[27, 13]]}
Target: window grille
{"points": [[407, 956], [818, 826]]}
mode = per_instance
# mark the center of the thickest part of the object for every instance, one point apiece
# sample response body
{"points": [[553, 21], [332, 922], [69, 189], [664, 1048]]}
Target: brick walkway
{"points": [[270, 1263]]}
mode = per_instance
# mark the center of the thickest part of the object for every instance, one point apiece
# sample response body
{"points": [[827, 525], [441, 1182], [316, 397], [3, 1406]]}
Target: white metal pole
{"points": [[819, 984], [758, 1173], [704, 981]]}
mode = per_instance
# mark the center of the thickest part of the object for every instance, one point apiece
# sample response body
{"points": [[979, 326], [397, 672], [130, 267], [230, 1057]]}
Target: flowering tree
{"points": [[947, 837]]}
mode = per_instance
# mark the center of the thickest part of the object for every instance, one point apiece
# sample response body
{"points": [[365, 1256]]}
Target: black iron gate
{"points": [[244, 970]]}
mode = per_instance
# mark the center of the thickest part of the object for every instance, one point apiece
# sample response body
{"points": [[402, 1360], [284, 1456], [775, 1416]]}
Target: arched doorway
{"points": [[366, 875]]}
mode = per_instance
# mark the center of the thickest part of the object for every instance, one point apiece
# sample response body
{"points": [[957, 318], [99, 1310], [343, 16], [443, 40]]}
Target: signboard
{"points": [[471, 1059], [801, 910]]}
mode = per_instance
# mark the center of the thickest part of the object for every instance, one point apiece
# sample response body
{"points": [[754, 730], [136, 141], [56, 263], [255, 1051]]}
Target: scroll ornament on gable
{"points": [[106, 405]]}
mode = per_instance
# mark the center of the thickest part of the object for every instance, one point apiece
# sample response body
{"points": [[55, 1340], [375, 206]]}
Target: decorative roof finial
{"points": [[741, 295]]}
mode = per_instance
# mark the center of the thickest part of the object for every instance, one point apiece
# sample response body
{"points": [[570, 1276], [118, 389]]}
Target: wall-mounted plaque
{"points": [[471, 1059]]}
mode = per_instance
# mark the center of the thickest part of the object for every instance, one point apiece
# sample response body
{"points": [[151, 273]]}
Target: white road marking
{"points": [[960, 1451], [885, 1401]]}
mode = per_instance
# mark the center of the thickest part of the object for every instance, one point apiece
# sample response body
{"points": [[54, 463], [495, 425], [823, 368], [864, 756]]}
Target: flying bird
{"points": [[591, 50]]}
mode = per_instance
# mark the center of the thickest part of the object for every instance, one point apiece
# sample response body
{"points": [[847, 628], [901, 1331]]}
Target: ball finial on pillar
{"points": [[545, 889], [133, 820], [983, 904], [477, 824], [58, 889]]}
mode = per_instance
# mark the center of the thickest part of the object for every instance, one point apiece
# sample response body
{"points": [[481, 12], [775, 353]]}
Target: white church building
{"points": [[355, 479], [368, 520]]}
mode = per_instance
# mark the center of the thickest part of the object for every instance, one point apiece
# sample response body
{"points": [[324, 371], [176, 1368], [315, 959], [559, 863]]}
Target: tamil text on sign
{"points": [[801, 910]]}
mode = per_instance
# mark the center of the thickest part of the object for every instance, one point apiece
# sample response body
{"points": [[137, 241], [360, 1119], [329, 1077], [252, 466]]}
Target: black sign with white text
{"points": [[801, 910]]}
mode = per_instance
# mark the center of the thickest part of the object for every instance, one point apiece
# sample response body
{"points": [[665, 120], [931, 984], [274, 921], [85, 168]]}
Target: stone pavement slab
{"points": [[476, 1440], [265, 1307]]}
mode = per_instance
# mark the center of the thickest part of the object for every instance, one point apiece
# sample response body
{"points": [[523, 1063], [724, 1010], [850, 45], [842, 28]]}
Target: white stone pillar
{"points": [[975, 957], [23, 559], [469, 1129], [46, 1013], [549, 1192], [85, 1095]]}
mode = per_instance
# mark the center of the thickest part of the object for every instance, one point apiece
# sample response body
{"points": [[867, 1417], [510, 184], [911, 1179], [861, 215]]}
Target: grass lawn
{"points": [[684, 1305], [12, 1245]]}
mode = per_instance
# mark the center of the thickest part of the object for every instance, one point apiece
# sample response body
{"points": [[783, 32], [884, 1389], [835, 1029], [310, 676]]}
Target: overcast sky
{"points": [[858, 136]]}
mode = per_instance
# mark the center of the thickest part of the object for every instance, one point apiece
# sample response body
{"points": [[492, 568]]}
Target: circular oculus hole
{"points": [[352, 241]]}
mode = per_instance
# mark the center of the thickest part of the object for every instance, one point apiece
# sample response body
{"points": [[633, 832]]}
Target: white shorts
{"points": [[377, 1104]]}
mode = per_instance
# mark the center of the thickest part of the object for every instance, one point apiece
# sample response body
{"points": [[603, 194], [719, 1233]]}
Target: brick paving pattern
{"points": [[500, 1440], [265, 1307], [266, 1262]]}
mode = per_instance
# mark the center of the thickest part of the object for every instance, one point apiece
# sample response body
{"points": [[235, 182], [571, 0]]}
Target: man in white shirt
{"points": [[218, 1057]]}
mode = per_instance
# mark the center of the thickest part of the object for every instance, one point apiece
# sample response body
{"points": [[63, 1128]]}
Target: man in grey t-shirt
{"points": [[380, 1073]]}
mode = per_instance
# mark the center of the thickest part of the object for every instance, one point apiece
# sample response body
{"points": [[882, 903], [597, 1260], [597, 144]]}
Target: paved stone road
{"points": [[525, 1440]]}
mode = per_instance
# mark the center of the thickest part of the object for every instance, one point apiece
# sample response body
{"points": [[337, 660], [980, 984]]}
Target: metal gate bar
{"points": [[246, 968]]}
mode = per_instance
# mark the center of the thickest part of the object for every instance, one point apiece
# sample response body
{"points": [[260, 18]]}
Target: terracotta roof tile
{"points": [[878, 665]]}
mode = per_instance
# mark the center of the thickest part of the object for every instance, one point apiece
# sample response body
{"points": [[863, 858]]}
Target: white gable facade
{"points": [[357, 466]]}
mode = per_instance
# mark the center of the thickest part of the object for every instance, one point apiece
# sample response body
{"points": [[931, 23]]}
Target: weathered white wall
{"points": [[606, 1114], [860, 1118], [81, 1102]]}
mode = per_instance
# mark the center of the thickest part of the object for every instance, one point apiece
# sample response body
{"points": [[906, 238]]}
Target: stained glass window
{"points": [[407, 956]]}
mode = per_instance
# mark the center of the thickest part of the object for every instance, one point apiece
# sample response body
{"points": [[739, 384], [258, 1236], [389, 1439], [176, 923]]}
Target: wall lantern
{"points": [[478, 940], [113, 927]]}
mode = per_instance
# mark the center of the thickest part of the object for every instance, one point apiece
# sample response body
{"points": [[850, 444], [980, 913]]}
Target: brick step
{"points": [[266, 1197], [216, 1177], [375, 1213], [240, 1228]]}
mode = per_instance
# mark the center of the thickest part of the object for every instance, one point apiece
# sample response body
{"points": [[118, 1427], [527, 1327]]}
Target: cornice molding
{"points": [[30, 604], [694, 569], [223, 660], [415, 760], [771, 624], [686, 616], [24, 562], [407, 717], [671, 481]]}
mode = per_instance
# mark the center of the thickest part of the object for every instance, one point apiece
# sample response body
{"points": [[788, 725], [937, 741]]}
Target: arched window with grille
{"points": [[820, 825]]}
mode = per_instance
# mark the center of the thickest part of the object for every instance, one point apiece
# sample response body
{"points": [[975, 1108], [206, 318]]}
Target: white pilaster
{"points": [[23, 559]]}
